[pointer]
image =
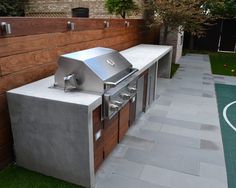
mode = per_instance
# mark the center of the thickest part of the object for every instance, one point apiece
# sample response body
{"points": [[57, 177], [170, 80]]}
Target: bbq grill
{"points": [[100, 70]]}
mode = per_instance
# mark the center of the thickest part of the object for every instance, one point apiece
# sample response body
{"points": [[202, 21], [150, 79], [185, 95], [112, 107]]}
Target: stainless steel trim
{"points": [[113, 84]]}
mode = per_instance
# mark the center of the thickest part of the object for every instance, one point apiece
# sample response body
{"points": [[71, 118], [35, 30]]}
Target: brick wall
{"points": [[62, 8], [31, 52]]}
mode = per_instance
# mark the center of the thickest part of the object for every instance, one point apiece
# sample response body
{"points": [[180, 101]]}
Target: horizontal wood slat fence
{"points": [[31, 51]]}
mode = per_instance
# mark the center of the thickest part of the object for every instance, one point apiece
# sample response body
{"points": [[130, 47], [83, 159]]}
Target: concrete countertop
{"points": [[41, 89], [144, 55], [141, 57]]}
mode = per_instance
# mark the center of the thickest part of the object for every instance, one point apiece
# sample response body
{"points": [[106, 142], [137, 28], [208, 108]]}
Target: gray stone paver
{"points": [[221, 79], [177, 142]]}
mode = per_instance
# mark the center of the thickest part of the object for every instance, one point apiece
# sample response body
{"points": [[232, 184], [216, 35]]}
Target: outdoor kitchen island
{"points": [[64, 135]]}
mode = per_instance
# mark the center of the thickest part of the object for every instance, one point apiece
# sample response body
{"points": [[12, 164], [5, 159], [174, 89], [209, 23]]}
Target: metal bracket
{"points": [[6, 28], [106, 24], [127, 24], [71, 26]]}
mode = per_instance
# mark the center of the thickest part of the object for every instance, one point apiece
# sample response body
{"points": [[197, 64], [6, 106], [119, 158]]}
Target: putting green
{"points": [[226, 99]]}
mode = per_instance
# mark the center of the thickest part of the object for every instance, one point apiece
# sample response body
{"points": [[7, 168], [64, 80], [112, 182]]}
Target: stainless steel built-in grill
{"points": [[100, 70]]}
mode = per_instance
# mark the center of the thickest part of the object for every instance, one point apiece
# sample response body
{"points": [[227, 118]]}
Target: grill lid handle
{"points": [[113, 84]]}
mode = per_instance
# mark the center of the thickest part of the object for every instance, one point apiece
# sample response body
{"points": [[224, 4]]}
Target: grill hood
{"points": [[94, 69]]}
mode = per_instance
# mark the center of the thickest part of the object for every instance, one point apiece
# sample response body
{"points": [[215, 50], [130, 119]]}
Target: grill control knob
{"points": [[125, 96], [118, 103], [114, 107], [132, 90]]}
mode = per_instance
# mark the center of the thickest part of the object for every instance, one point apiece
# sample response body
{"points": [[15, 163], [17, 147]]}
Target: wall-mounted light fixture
{"points": [[71, 26], [126, 24], [6, 28], [106, 24]]}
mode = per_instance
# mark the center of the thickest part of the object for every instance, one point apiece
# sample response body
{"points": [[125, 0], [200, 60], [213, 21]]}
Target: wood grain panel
{"points": [[5, 119], [97, 127], [123, 121], [18, 62], [12, 46], [4, 115], [98, 157], [6, 155], [106, 42], [26, 76], [32, 26], [3, 103], [5, 152], [97, 124], [5, 136], [110, 135], [111, 144], [72, 37]]}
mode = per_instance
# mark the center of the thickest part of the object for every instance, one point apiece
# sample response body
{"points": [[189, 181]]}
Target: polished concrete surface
{"points": [[177, 143]]}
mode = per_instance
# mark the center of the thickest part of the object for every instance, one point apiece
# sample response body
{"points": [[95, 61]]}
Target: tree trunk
{"points": [[123, 14]]}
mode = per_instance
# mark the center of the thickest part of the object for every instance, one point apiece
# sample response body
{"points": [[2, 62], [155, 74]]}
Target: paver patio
{"points": [[177, 143]]}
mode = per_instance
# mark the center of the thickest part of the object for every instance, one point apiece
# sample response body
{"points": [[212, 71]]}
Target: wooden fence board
{"points": [[5, 119], [32, 26], [43, 41], [5, 135], [14, 63], [26, 76], [5, 151], [3, 103], [6, 155]]}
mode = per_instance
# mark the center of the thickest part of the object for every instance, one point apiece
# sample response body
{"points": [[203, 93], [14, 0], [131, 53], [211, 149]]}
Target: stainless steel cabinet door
{"points": [[139, 100]]}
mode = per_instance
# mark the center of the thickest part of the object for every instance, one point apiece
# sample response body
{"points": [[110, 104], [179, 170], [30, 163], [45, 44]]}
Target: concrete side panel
{"points": [[52, 138]]}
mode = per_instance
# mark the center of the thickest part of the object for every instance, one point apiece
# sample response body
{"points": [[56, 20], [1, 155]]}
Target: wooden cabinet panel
{"points": [[106, 134], [123, 121], [98, 156], [97, 123], [110, 135]]}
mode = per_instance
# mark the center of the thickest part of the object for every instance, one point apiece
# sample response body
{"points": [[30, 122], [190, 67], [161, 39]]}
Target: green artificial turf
{"points": [[16, 177], [174, 68], [223, 63]]}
